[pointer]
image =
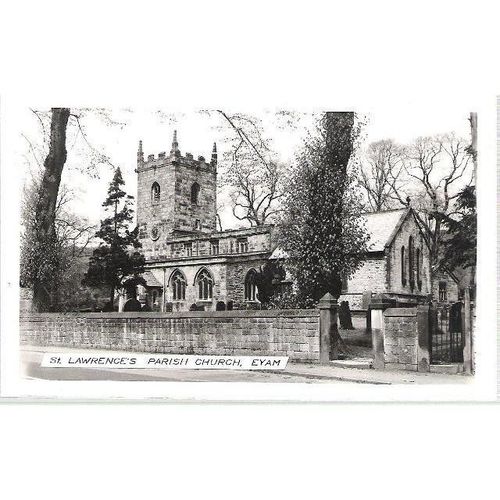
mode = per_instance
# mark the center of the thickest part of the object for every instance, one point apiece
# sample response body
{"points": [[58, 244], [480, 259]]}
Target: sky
{"points": [[196, 132]]}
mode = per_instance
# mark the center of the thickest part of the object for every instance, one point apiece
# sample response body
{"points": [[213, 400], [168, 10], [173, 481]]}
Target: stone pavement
{"points": [[31, 357]]}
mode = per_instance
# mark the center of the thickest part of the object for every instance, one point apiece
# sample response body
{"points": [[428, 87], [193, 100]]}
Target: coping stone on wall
{"points": [[398, 312], [235, 313]]}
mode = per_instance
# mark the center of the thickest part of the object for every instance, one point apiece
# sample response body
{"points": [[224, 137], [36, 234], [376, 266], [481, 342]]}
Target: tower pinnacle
{"points": [[175, 144], [214, 154], [140, 154]]}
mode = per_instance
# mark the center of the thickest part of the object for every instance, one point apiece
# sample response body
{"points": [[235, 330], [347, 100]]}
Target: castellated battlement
{"points": [[153, 161], [175, 157]]}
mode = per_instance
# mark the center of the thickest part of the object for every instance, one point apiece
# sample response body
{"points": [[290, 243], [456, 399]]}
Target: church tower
{"points": [[176, 196]]}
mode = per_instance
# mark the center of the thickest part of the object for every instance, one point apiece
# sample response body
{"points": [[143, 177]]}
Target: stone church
{"points": [[189, 262]]}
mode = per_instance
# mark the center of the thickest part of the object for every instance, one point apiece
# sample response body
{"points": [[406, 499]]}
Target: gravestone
{"points": [[132, 305], [367, 298], [345, 316]]}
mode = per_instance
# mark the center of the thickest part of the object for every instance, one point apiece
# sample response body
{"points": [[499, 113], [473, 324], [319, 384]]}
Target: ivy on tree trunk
{"points": [[46, 205]]}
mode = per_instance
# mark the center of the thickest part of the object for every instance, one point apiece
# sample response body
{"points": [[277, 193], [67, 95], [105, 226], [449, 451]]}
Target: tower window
{"points": [[250, 286], [188, 249], [195, 193], [155, 193], [205, 285], [197, 225], [178, 286]]}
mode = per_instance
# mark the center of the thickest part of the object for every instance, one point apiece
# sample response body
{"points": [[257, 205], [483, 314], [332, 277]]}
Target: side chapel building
{"points": [[189, 262]]}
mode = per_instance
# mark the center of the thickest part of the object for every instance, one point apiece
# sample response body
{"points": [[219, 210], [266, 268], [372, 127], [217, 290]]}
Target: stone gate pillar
{"points": [[377, 307], [328, 327], [424, 338]]}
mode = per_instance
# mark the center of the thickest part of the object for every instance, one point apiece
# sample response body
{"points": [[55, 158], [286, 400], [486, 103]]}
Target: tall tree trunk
{"points": [[47, 198], [339, 147], [112, 298]]}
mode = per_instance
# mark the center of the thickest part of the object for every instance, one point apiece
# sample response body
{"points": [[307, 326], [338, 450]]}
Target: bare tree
{"points": [[440, 165], [42, 254], [381, 175], [253, 175]]}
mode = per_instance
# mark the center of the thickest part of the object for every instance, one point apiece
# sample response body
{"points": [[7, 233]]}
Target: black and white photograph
{"points": [[222, 246], [249, 249]]}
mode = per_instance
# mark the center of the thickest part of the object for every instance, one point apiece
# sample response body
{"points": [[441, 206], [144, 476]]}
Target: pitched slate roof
{"points": [[150, 279], [382, 227]]}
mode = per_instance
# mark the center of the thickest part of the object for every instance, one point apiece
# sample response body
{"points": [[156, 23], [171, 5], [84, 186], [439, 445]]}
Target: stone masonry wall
{"points": [[293, 333], [408, 228], [158, 214], [401, 339], [371, 276], [186, 213], [174, 210]]}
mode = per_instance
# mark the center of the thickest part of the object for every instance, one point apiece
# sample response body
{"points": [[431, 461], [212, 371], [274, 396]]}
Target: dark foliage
{"points": [[268, 280], [322, 230], [117, 261], [460, 248]]}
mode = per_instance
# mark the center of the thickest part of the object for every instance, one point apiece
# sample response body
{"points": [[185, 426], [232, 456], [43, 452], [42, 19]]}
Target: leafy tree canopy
{"points": [[322, 229]]}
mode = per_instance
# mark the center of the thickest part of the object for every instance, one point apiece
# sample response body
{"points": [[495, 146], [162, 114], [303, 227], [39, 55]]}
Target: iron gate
{"points": [[446, 329]]}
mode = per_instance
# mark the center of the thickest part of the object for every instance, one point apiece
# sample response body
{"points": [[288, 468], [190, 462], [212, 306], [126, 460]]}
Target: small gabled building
{"points": [[397, 262]]}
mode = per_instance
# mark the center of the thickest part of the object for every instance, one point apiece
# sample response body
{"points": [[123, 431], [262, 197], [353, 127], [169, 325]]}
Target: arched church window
{"points": [[205, 285], [195, 193], [178, 286], [155, 193], [250, 286], [411, 263], [403, 266], [418, 262]]}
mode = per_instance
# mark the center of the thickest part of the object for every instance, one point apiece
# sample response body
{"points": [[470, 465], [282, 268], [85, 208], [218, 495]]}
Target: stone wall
{"points": [[406, 338], [228, 273], [235, 280], [294, 333], [400, 338], [371, 276], [186, 213], [394, 267], [159, 214]]}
